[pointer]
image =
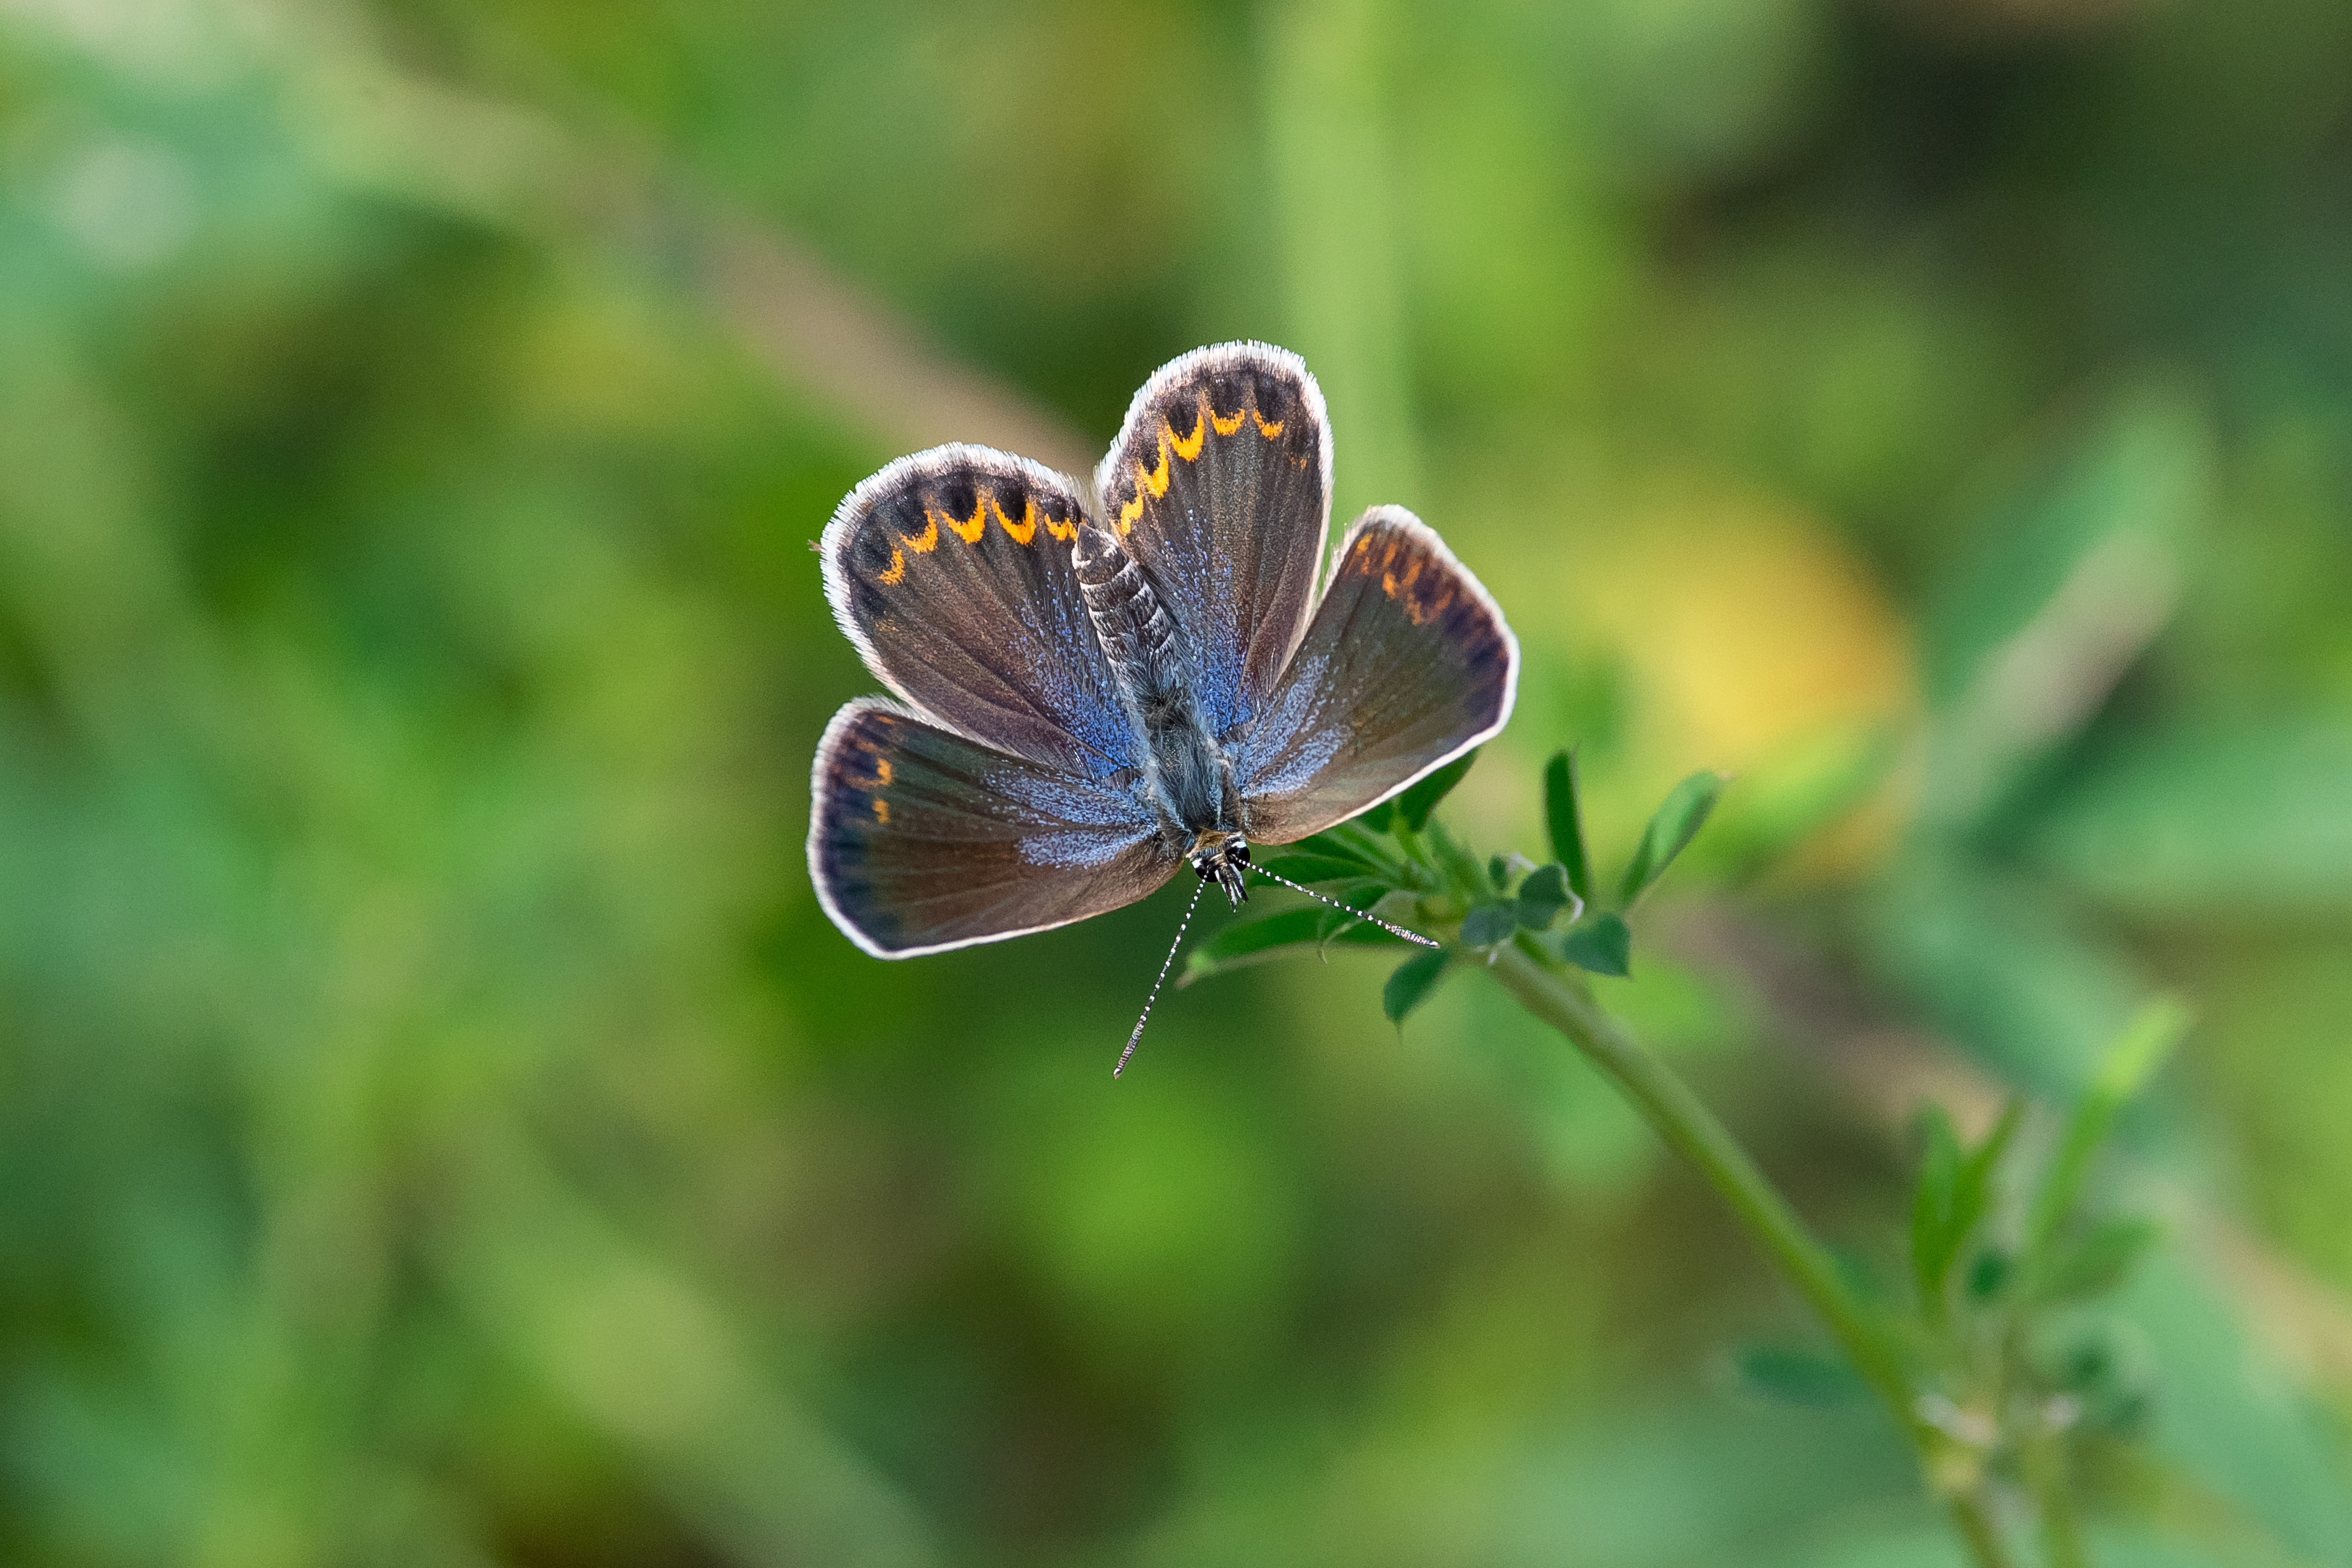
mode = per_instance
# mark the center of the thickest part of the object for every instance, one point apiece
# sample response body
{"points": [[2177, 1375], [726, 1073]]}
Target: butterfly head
{"points": [[1220, 857]]}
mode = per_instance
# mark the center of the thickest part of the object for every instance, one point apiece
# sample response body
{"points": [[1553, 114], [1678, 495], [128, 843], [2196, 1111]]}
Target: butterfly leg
{"points": [[1222, 858]]}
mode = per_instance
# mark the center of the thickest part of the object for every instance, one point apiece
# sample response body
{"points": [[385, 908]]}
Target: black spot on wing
{"points": [[1298, 438], [1267, 393], [1228, 395], [959, 497], [1182, 414]]}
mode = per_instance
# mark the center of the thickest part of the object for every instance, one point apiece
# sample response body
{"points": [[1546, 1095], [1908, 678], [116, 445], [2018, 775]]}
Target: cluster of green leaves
{"points": [[1395, 859], [2023, 1362]]}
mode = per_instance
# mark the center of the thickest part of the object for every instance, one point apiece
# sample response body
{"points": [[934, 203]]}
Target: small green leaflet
{"points": [[1990, 1274], [1411, 985], [1543, 894], [1675, 823], [1566, 821], [1603, 945], [1954, 1189], [2128, 1064], [1489, 922]]}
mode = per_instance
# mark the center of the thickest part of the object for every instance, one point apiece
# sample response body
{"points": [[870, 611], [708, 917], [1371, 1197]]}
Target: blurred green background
{"points": [[436, 1123]]}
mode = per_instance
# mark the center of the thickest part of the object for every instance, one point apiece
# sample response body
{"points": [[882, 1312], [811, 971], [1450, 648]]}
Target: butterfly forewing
{"points": [[1406, 664], [951, 572], [1220, 484], [920, 839]]}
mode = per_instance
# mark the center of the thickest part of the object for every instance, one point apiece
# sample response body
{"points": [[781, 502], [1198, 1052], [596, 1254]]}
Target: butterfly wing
{"points": [[1407, 664], [921, 840], [1220, 484], [951, 572]]}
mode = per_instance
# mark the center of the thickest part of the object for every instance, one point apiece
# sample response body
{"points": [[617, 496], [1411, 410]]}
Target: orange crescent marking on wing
{"points": [[1268, 431], [1387, 583], [881, 811], [1025, 531], [1155, 479], [929, 540], [1129, 513], [881, 771], [1412, 573], [897, 572], [1065, 530], [970, 528], [1190, 450], [1224, 426]]}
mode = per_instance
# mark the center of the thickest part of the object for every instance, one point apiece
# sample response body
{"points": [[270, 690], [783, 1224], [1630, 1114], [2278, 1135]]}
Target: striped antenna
{"points": [[1163, 975], [1358, 913]]}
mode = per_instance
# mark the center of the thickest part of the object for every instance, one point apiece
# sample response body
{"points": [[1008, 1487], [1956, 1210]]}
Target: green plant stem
{"points": [[1691, 1130], [1974, 1521], [2045, 1474]]}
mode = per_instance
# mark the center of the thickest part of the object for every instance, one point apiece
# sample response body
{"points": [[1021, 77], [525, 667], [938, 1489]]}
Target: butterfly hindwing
{"points": [[920, 839], [1220, 484], [1406, 664], [951, 572]]}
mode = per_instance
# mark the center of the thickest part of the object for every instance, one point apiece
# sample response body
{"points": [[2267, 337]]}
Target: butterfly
{"points": [[1085, 702]]}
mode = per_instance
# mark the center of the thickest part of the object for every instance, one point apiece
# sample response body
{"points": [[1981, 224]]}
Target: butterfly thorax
{"points": [[1187, 777]]}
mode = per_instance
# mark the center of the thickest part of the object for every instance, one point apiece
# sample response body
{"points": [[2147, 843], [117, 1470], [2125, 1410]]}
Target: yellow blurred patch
{"points": [[1752, 641]]}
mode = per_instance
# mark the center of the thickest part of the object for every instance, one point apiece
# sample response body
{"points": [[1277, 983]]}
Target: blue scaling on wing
{"points": [[1406, 664], [1287, 748], [1220, 485], [921, 840], [951, 572], [1079, 827]]}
